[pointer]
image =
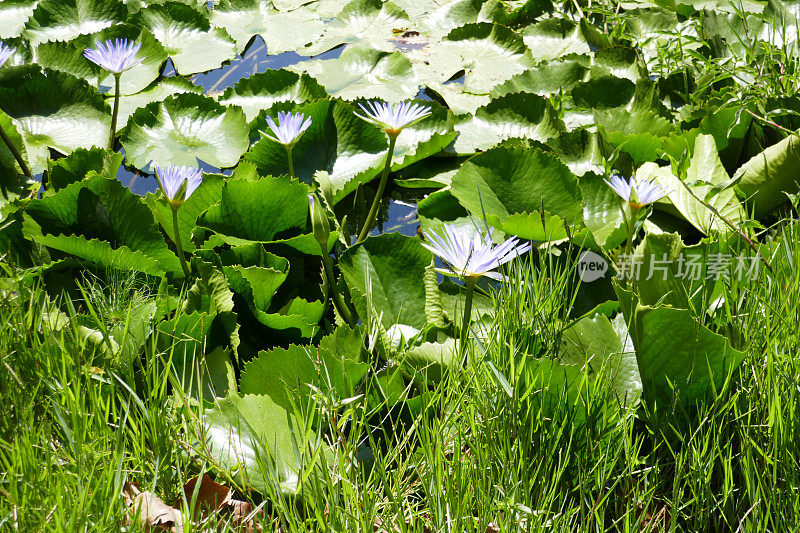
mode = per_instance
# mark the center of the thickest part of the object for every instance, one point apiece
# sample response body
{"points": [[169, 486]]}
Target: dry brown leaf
{"points": [[211, 496], [239, 512], [150, 511]]}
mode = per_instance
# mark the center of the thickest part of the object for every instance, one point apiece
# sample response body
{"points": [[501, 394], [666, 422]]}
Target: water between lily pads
{"points": [[402, 211]]}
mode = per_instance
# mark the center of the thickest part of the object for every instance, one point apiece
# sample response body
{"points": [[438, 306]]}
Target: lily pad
{"points": [[766, 176], [487, 54], [267, 210], [52, 109], [369, 24], [157, 91], [516, 115], [605, 345], [678, 358], [282, 30], [364, 73], [705, 172], [185, 33], [262, 91], [63, 20], [184, 128], [14, 14], [114, 225], [390, 268], [81, 162], [507, 180], [555, 38]]}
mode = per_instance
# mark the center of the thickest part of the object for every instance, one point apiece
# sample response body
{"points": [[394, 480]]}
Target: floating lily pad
{"points": [[555, 38], [545, 79], [282, 31], [262, 91], [487, 54], [63, 20], [191, 42], [364, 73], [157, 91], [14, 14], [367, 23], [184, 128], [53, 109]]}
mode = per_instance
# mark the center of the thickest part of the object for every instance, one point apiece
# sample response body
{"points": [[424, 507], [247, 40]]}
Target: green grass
{"points": [[492, 445]]}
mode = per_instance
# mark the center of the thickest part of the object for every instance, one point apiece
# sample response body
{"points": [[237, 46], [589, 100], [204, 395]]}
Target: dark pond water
{"points": [[402, 213]]}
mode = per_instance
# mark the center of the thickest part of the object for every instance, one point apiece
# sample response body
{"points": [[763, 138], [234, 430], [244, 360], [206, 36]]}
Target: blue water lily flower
{"points": [[392, 118], [5, 53], [172, 181], [115, 56], [289, 129], [637, 193], [469, 254]]}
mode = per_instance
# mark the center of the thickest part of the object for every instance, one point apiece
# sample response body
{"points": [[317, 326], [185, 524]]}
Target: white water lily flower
{"points": [[392, 118], [5, 53], [289, 129], [469, 254], [172, 179], [115, 56], [637, 193]]}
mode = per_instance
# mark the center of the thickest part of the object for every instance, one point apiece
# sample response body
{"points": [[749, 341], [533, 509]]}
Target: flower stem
{"points": [[291, 162], [336, 296], [470, 283], [15, 153], [373, 211], [630, 226], [178, 245], [113, 132]]}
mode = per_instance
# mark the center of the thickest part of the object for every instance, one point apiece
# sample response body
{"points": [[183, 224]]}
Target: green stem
{"points": [[336, 296], [470, 283], [113, 132], [373, 211], [178, 244], [291, 163], [15, 153], [630, 226]]}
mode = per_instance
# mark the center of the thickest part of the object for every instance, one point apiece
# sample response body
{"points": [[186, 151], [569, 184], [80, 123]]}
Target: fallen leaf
{"points": [[151, 511], [239, 512], [211, 496]]}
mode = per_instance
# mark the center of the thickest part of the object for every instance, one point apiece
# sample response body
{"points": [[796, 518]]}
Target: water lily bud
{"points": [[319, 222], [325, 185]]}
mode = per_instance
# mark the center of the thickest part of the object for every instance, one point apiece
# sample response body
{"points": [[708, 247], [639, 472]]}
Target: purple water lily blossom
{"points": [[470, 254], [392, 118], [289, 129], [171, 179], [646, 192], [5, 52], [115, 56]]}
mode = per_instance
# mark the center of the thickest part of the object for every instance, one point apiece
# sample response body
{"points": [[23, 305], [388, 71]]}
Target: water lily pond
{"points": [[413, 265]]}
